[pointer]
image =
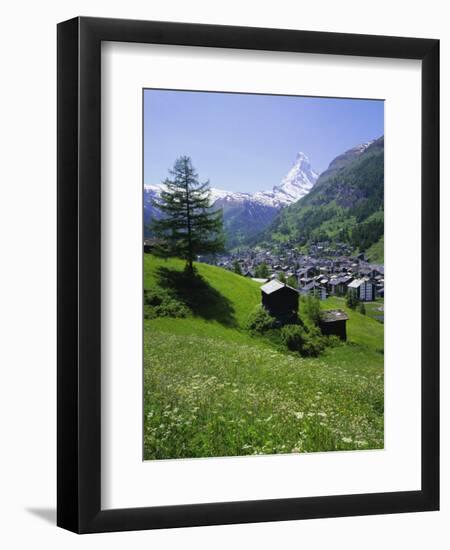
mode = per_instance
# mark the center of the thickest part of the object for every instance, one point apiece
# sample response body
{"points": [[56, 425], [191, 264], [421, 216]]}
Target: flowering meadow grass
{"points": [[211, 389]]}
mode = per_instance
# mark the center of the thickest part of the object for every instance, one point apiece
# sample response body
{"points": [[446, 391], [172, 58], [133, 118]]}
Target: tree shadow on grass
{"points": [[198, 295]]}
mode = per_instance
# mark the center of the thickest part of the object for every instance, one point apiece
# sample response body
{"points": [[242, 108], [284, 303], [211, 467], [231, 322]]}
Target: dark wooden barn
{"points": [[334, 322], [281, 301]]}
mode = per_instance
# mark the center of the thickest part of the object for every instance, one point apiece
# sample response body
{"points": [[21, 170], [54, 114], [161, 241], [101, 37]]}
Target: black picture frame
{"points": [[79, 281]]}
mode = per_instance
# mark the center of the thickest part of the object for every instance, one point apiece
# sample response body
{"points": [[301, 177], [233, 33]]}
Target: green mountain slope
{"points": [[222, 298], [212, 389], [375, 253], [346, 203]]}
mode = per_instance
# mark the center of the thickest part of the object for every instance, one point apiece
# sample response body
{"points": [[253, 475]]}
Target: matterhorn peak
{"points": [[301, 156], [302, 162], [298, 181]]}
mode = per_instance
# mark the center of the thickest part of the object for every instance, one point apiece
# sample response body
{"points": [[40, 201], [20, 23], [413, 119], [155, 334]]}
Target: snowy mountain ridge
{"points": [[295, 185]]}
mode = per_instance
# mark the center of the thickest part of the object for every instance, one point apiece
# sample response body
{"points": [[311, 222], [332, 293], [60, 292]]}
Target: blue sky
{"points": [[247, 142]]}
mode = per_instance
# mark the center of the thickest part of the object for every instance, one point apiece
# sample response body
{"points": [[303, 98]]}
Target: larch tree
{"points": [[188, 226]]}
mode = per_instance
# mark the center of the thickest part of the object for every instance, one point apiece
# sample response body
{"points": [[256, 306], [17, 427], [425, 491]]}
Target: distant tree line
{"points": [[364, 235]]}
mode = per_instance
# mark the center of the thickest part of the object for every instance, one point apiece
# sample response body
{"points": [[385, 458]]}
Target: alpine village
{"points": [[264, 312]]}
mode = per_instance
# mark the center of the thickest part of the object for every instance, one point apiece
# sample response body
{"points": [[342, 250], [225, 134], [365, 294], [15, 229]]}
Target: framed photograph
{"points": [[248, 258]]}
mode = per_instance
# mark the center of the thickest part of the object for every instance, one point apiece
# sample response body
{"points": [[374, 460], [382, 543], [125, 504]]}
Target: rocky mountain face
{"points": [[247, 214]]}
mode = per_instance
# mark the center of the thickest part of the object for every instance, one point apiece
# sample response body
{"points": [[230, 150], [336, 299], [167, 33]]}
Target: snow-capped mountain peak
{"points": [[295, 185], [217, 194], [298, 182], [362, 146]]}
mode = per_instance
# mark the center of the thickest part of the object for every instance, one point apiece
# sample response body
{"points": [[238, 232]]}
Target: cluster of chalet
{"points": [[324, 271], [365, 281]]}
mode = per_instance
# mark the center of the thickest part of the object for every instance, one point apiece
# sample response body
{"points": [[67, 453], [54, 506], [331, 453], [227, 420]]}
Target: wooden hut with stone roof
{"points": [[334, 322]]}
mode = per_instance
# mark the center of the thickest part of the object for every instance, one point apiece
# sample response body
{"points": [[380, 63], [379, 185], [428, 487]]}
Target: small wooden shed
{"points": [[334, 322], [280, 300]]}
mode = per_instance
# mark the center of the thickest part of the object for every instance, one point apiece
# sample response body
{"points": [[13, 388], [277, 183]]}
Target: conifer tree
{"points": [[262, 271], [237, 267], [188, 226], [351, 301]]}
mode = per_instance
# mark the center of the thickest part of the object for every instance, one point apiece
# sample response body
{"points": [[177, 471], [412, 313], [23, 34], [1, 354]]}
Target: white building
{"points": [[363, 289]]}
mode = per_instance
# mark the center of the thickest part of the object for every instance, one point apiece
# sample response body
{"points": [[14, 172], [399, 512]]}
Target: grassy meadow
{"points": [[213, 389]]}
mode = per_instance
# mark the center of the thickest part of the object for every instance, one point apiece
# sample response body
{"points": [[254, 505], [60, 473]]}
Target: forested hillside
{"points": [[345, 205]]}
